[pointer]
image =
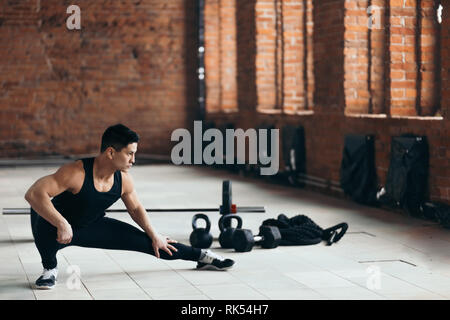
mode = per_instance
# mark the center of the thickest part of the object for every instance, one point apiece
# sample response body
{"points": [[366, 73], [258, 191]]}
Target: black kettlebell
{"points": [[200, 237], [226, 233]]}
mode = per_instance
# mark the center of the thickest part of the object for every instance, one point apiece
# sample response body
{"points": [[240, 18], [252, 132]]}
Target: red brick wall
{"points": [[134, 62], [131, 62], [283, 78], [221, 64], [284, 65], [328, 19], [268, 54], [354, 72], [364, 52], [445, 60], [246, 54], [297, 67], [212, 64], [392, 64]]}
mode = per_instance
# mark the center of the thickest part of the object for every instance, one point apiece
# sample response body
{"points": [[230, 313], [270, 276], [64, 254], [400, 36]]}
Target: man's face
{"points": [[124, 158]]}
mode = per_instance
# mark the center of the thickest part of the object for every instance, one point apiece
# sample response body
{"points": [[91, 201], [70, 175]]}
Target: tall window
{"points": [[392, 59]]}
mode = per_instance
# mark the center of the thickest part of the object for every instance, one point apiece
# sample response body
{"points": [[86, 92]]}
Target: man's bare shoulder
{"points": [[75, 167], [127, 182], [71, 174]]}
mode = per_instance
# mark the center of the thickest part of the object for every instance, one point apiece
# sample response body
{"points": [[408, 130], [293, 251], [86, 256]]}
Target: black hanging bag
{"points": [[407, 177], [358, 173]]}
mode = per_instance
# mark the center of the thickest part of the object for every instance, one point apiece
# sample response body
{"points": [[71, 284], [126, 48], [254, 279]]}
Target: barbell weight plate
{"points": [[226, 197], [225, 208], [271, 237], [243, 240]]}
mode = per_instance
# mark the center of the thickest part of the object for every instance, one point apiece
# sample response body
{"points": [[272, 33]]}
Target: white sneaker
{"points": [[48, 279], [212, 261]]}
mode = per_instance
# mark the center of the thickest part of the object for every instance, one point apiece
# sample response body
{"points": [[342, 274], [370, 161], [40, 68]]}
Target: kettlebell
{"points": [[226, 233], [201, 237]]}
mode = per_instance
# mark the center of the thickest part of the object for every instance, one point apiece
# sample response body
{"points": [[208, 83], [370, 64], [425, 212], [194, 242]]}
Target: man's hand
{"points": [[163, 243], [64, 233]]}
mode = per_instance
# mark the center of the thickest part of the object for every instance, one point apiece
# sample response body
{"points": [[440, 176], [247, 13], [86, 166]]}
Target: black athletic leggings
{"points": [[104, 233]]}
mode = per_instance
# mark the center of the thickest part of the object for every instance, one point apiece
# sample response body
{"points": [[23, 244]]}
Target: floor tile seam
{"points": [[28, 279], [415, 285], [353, 259], [250, 286], [195, 286], [128, 275], [187, 280], [80, 278], [314, 289], [204, 293], [387, 297], [392, 275], [341, 277], [419, 268], [389, 236], [20, 260], [359, 285]]}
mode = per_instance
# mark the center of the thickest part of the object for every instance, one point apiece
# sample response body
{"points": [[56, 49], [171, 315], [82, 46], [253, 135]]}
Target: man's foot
{"points": [[48, 279], [212, 261]]}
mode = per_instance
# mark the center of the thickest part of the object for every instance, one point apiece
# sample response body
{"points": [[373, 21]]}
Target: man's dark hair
{"points": [[118, 137]]}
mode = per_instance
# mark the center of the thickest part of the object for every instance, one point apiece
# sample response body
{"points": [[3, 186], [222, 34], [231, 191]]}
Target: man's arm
{"points": [[139, 215], [40, 193]]}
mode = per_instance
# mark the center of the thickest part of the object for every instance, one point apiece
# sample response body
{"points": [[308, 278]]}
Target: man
{"points": [[81, 193]]}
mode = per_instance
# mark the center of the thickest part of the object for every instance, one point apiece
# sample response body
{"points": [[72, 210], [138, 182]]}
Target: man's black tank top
{"points": [[89, 204]]}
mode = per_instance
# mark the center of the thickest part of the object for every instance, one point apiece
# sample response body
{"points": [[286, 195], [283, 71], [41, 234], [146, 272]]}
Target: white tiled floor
{"points": [[384, 255]]}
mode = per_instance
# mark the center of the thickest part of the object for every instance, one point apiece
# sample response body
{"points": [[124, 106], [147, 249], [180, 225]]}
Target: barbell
{"points": [[227, 206]]}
